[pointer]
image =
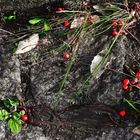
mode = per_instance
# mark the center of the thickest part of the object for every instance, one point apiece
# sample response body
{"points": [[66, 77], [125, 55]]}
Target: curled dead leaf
{"points": [[27, 44], [136, 130]]}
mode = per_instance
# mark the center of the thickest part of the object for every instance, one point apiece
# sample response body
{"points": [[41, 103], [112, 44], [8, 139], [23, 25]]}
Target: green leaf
{"points": [[35, 20], [14, 102], [7, 103], [11, 17], [16, 116], [3, 114], [47, 27], [14, 125]]}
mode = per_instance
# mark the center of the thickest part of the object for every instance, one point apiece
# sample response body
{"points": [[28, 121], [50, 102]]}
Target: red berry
{"points": [[125, 87], [66, 56], [138, 74], [134, 80], [60, 9], [138, 85], [126, 82], [24, 118], [121, 22], [66, 24], [122, 113], [115, 24], [114, 33]]}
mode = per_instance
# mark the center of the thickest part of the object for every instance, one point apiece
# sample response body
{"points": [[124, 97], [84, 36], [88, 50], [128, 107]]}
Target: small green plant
{"points": [[11, 17], [35, 21], [10, 114]]}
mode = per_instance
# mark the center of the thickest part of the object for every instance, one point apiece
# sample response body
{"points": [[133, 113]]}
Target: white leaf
{"points": [[77, 22], [27, 44], [96, 62]]}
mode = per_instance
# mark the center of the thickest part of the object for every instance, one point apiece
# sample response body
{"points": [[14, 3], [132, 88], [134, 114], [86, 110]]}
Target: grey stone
{"points": [[8, 5], [35, 79]]}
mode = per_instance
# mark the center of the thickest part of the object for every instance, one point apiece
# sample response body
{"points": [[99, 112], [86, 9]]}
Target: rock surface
{"points": [[35, 80], [9, 5]]}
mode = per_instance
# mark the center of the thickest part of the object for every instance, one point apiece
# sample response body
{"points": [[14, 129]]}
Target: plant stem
{"points": [[94, 72], [129, 102]]}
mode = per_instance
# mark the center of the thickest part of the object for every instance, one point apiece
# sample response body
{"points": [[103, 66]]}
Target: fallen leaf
{"points": [[96, 63], [77, 22], [136, 130], [27, 44]]}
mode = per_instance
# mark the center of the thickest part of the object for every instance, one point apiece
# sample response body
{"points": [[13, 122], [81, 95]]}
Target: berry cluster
{"points": [[134, 82], [116, 27], [24, 116]]}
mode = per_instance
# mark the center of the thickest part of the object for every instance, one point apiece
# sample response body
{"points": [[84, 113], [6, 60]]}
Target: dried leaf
{"points": [[27, 44], [77, 22], [136, 130], [93, 18], [96, 62]]}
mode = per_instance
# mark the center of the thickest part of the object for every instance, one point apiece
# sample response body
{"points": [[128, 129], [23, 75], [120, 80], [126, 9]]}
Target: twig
{"points": [[8, 32], [67, 11]]}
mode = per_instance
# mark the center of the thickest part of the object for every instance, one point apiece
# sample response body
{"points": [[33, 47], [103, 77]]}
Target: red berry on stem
{"points": [[125, 87], [66, 24], [121, 22], [114, 33], [122, 113], [138, 74], [60, 9], [24, 118], [138, 85], [134, 80], [115, 24], [66, 56], [126, 81]]}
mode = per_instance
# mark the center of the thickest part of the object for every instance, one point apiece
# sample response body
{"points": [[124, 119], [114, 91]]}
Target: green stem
{"points": [[103, 31], [72, 60], [129, 102], [94, 72]]}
